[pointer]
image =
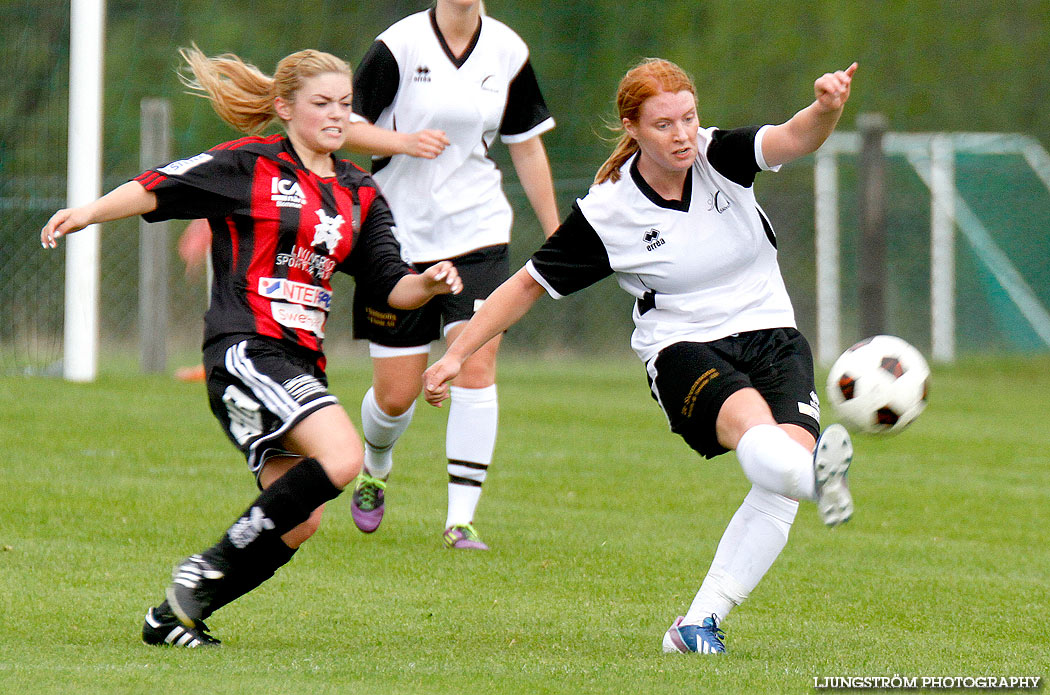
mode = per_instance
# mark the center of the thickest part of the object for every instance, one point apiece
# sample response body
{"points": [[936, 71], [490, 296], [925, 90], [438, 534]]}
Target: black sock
{"points": [[288, 502], [259, 562]]}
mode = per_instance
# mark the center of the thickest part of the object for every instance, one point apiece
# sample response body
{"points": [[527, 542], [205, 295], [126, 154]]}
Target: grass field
{"points": [[602, 525]]}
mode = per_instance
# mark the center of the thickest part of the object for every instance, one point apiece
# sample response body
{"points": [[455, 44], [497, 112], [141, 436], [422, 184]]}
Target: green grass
{"points": [[602, 525]]}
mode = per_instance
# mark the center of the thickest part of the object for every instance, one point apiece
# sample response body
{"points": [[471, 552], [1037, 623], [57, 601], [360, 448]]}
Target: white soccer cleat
{"points": [[831, 461]]}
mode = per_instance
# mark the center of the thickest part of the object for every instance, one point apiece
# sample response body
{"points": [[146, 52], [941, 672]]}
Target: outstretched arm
{"points": [[809, 128], [534, 171], [503, 308], [127, 200], [366, 138], [413, 291]]}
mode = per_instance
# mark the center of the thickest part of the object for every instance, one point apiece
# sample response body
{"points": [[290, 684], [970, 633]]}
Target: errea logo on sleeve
{"points": [[184, 165]]}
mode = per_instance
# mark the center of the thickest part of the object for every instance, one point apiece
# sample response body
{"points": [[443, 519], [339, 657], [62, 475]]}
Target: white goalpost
{"points": [[83, 184], [932, 156]]}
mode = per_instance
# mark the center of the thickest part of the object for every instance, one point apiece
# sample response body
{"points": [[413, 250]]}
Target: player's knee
{"points": [[478, 379], [343, 467], [476, 374], [741, 411], [397, 401]]}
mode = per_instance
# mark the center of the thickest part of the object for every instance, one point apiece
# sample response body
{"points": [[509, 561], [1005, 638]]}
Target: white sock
{"points": [[473, 416], [752, 541], [773, 460], [381, 432]]}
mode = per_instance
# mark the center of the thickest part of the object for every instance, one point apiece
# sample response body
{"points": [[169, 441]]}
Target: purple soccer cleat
{"points": [[369, 501], [463, 537]]}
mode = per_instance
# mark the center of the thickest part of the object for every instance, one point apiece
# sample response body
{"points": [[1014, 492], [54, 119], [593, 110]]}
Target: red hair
{"points": [[645, 80]]}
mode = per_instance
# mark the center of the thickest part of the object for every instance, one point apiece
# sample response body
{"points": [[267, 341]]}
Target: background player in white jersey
{"points": [[673, 215], [444, 83], [286, 215]]}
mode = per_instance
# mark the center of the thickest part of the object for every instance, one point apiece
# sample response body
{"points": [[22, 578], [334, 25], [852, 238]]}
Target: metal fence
{"points": [[1012, 204]]}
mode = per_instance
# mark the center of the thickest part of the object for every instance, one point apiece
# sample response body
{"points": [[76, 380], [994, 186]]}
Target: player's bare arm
{"points": [[534, 170], [370, 139], [504, 307], [807, 130], [127, 200], [413, 291]]}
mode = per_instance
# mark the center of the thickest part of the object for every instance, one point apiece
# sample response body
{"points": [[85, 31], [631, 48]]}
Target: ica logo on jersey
{"points": [[652, 239], [287, 194]]}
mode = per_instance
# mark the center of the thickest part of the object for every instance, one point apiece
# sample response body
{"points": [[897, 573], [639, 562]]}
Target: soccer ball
{"points": [[879, 385]]}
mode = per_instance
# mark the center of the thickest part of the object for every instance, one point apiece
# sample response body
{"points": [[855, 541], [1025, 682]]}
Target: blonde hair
{"points": [[242, 94], [645, 80]]}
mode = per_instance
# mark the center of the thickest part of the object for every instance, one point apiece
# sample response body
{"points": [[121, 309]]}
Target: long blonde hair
{"points": [[242, 94], [645, 80]]}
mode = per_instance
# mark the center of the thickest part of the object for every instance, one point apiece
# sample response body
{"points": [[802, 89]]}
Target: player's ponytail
{"points": [[625, 148], [243, 95], [645, 80]]}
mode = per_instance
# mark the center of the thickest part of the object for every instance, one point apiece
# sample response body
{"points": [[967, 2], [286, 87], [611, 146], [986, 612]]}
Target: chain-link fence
{"points": [[597, 320], [33, 103], [34, 40]]}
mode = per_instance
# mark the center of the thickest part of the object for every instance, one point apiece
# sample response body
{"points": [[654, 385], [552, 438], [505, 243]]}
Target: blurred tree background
{"points": [[928, 65]]}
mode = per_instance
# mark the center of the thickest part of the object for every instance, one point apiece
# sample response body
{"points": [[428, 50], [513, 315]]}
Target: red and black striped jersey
{"points": [[279, 232]]}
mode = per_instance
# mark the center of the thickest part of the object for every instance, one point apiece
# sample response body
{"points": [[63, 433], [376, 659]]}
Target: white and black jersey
{"points": [[408, 81], [701, 268]]}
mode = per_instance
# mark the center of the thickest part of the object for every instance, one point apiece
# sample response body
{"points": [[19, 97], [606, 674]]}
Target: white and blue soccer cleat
{"points": [[705, 638], [831, 459]]}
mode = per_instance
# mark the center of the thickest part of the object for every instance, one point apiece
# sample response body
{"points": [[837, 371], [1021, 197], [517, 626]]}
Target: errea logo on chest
{"points": [[653, 239]]}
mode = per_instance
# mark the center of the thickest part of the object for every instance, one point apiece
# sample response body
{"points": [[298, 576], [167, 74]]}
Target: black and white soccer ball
{"points": [[879, 385]]}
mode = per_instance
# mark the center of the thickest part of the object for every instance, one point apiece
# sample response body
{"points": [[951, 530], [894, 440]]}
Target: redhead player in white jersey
{"points": [[438, 88], [673, 215]]}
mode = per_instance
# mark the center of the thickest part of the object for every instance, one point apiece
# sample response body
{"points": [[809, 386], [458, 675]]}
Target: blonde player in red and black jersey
{"points": [[673, 216], [285, 215], [441, 86]]}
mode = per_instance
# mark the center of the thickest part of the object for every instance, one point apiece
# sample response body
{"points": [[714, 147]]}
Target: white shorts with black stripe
{"points": [[259, 389]]}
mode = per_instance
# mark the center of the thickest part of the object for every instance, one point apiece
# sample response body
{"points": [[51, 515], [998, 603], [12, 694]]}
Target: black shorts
{"points": [[691, 381], [259, 389], [482, 271]]}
